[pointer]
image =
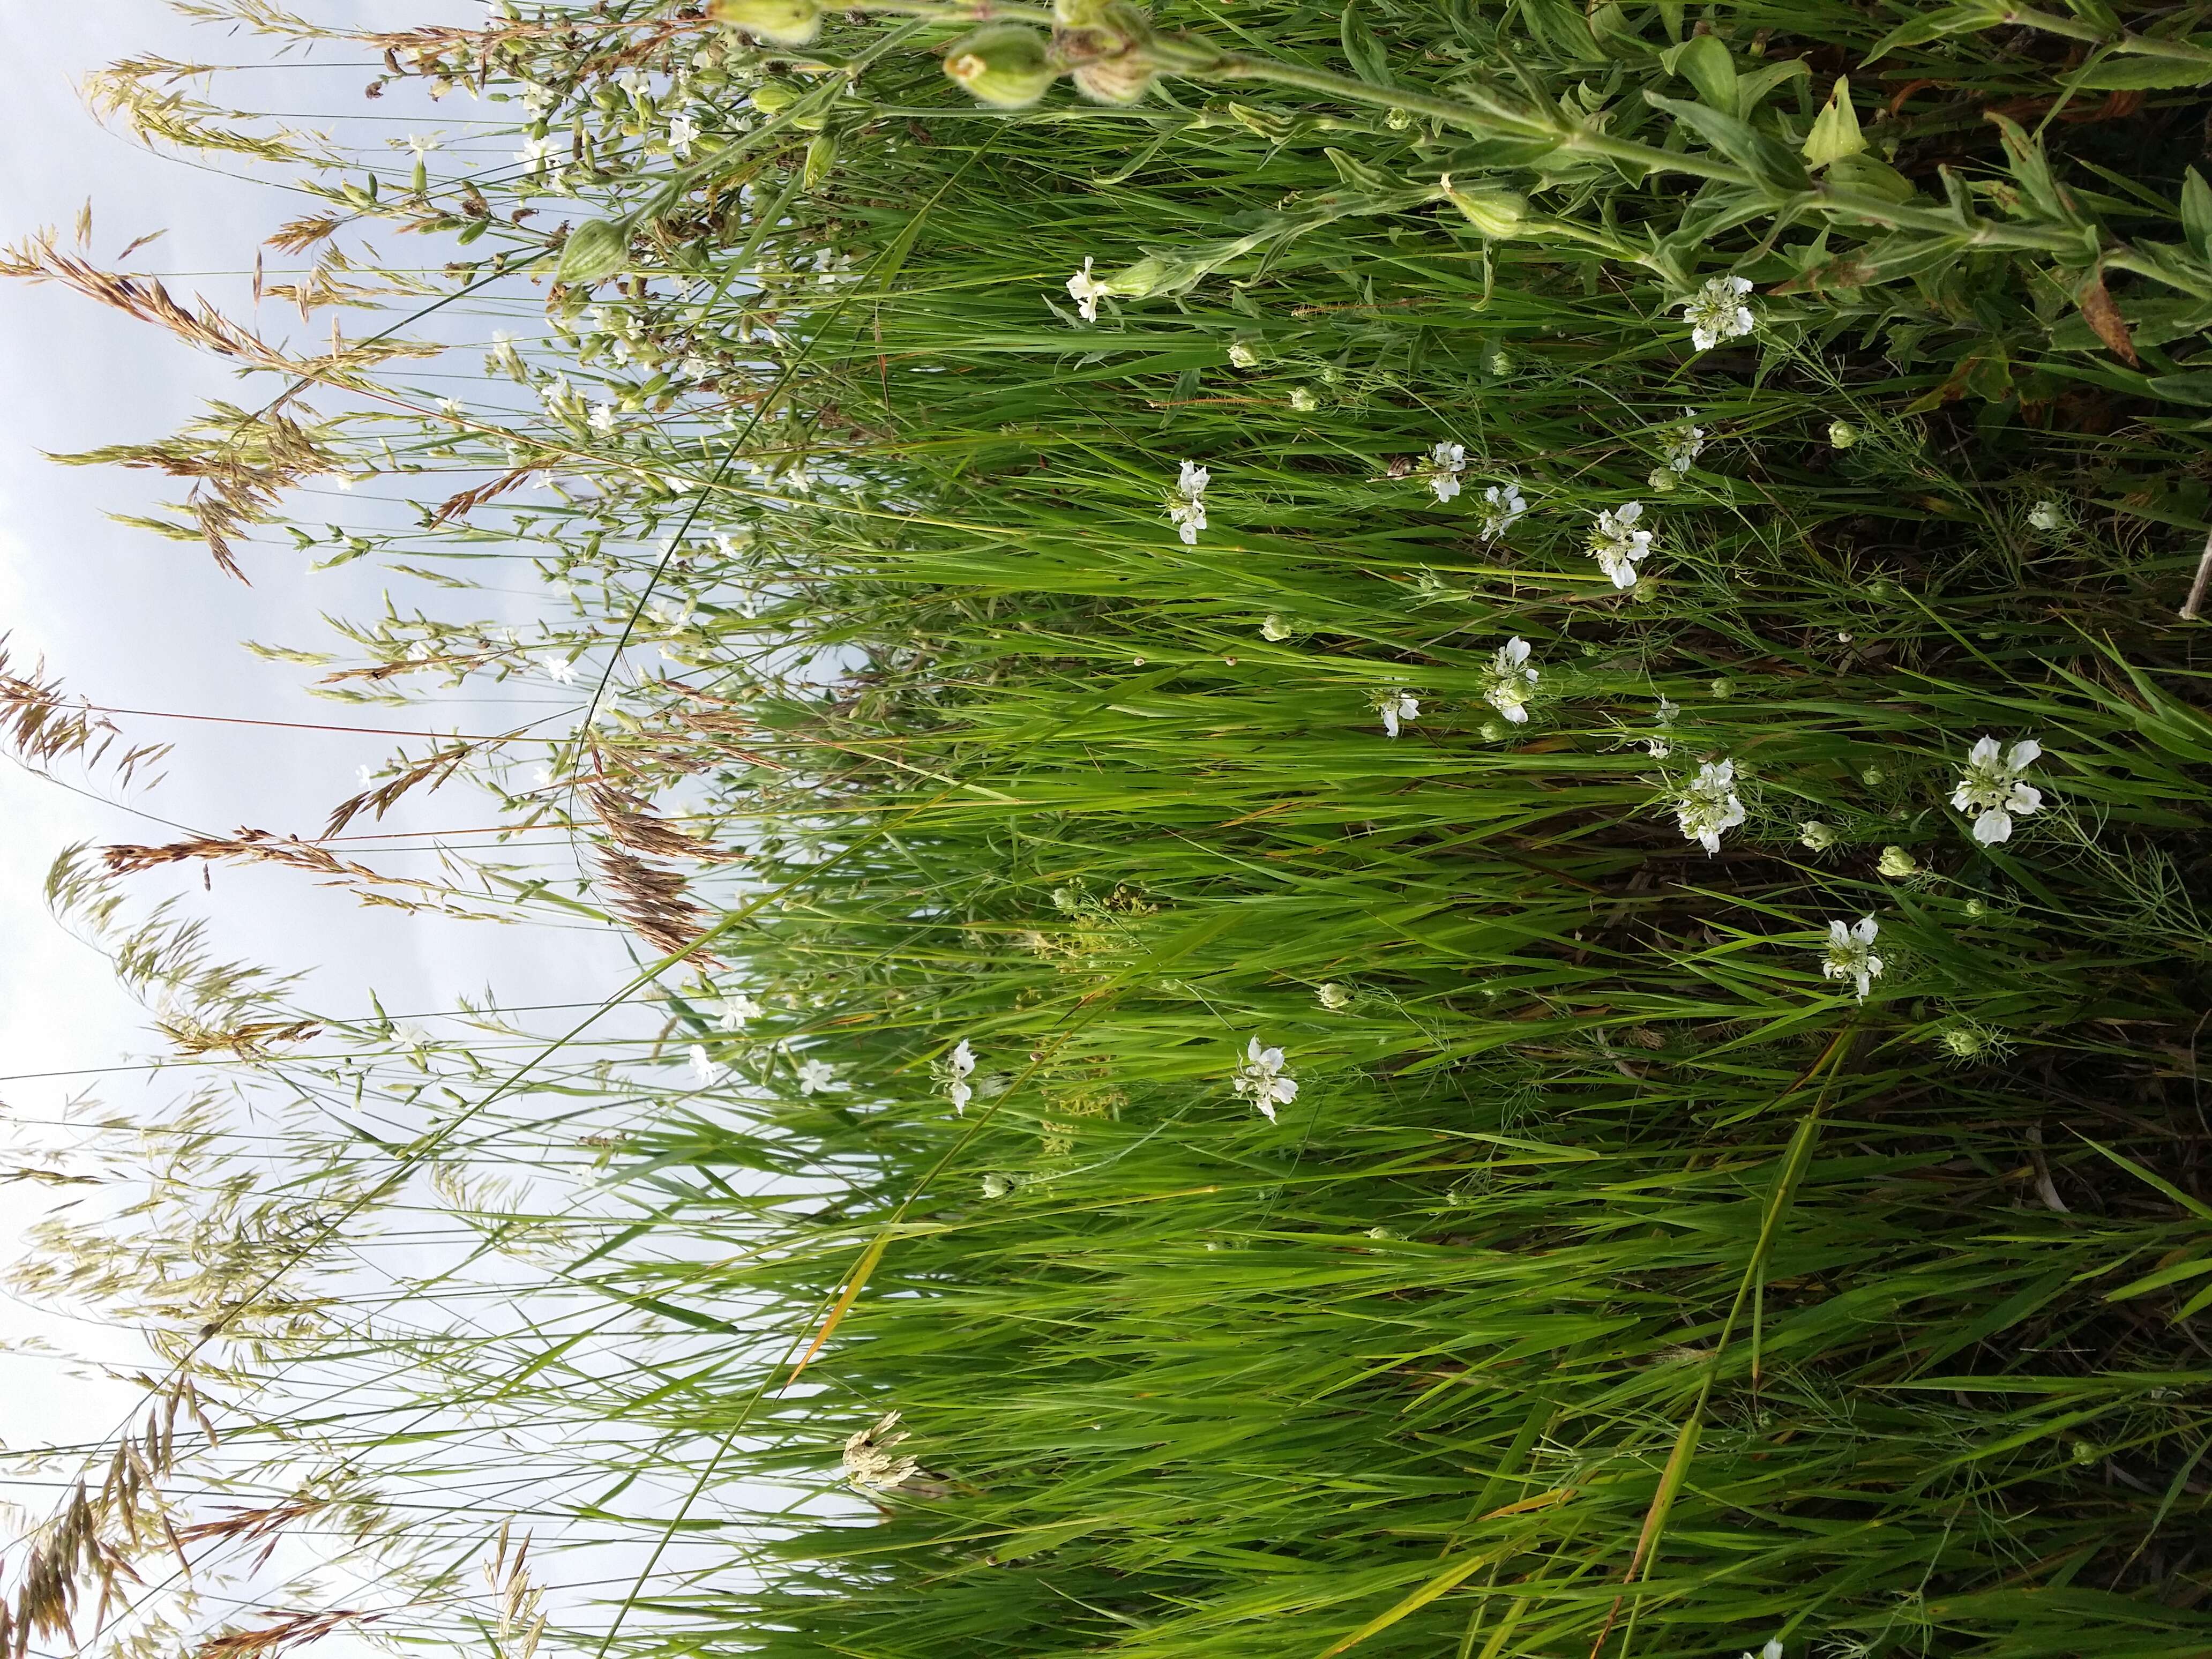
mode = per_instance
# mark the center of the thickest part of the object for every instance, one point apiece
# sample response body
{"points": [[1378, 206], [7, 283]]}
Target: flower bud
{"points": [[1841, 435], [595, 250], [1896, 861], [821, 157], [774, 97], [1816, 836], [785, 22], [1003, 65], [1495, 213], [1119, 80]]}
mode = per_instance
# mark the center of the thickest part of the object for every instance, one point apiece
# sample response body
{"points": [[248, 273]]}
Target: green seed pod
{"points": [[785, 22], [821, 157], [1002, 65], [595, 250], [1495, 213], [774, 97], [1122, 80]]}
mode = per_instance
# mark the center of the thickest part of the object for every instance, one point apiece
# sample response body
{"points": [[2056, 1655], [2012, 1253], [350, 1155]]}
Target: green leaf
{"points": [[2197, 214], [1365, 52], [1768, 159], [2132, 74], [595, 250], [2195, 387], [1836, 130], [1871, 176], [1706, 64]]}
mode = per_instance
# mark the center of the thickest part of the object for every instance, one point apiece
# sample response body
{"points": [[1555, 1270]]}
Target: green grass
{"points": [[1615, 1281]]}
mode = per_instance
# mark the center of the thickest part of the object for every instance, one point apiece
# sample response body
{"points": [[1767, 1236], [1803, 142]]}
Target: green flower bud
{"points": [[821, 157], [1896, 861], [1841, 435], [1816, 836], [1003, 65], [785, 22], [595, 250], [1495, 213], [1119, 80], [1302, 399], [774, 97]]}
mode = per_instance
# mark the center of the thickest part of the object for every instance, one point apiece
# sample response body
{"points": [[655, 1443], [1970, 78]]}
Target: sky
{"points": [[132, 621]]}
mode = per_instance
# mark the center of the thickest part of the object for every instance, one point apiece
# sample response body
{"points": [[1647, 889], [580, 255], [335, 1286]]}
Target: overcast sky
{"points": [[130, 620]]}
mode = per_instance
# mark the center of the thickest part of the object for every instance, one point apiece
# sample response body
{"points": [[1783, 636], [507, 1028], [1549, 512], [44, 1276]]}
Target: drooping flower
{"points": [[1333, 996], [1990, 788], [1667, 712], [1303, 400], [1243, 353], [1688, 443], [709, 1071], [1084, 291], [1274, 628], [737, 1010], [1841, 435], [1895, 862], [1264, 1079], [815, 1077], [1816, 836], [1716, 311], [1617, 545], [1849, 953], [1399, 708], [1446, 462], [1510, 681], [1187, 507], [955, 1068], [869, 1460], [1506, 506], [2045, 515], [1709, 805]]}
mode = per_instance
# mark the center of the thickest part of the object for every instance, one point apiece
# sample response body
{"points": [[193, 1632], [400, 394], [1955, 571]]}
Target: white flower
{"points": [[1262, 1080], [1333, 996], [603, 417], [536, 155], [1716, 311], [1617, 545], [737, 1010], [1506, 506], [420, 145], [1187, 507], [955, 1068], [1085, 290], [1510, 681], [708, 1071], [1689, 443], [1446, 462], [682, 132], [2045, 515], [556, 667], [1990, 788], [634, 81], [1709, 805], [1666, 712], [1398, 708], [869, 1460], [1771, 1650], [1850, 953], [815, 1077]]}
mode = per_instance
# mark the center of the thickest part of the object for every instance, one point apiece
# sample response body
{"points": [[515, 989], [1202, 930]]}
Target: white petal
{"points": [[1266, 1109], [1982, 753], [1284, 1088], [2025, 754], [1992, 826], [2025, 798], [1838, 934], [1866, 930]]}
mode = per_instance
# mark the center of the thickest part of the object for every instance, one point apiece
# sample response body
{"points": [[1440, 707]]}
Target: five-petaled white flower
{"points": [[1506, 506], [737, 1010], [1716, 311], [1849, 953], [536, 155], [1617, 545], [1709, 804], [815, 1078], [682, 132], [1990, 788], [1187, 507], [558, 668], [1263, 1080], [869, 1460], [1446, 462], [1512, 680], [1085, 289], [603, 417], [705, 1067], [1398, 709], [955, 1068]]}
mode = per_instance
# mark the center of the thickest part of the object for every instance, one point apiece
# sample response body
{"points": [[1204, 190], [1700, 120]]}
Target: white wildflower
{"points": [[1667, 712], [683, 133], [556, 667], [1716, 311], [1849, 953], [1709, 804], [1658, 748], [1398, 709], [869, 1460], [1085, 289], [1446, 462], [705, 1068], [1688, 443], [603, 417], [737, 1010], [536, 155], [1303, 400], [815, 1078], [1506, 506], [422, 146], [1187, 507], [1510, 681], [1274, 628], [1990, 788], [1263, 1080], [1771, 1650], [1617, 545], [955, 1068], [634, 82]]}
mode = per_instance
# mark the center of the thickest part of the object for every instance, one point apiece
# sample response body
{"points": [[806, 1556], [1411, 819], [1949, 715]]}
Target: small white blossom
{"points": [[869, 1460], [683, 133], [1849, 953], [955, 1068], [1617, 545], [557, 668], [1688, 443], [1667, 712], [1505, 505], [1990, 788], [1716, 311], [1263, 1080], [1085, 290], [1512, 680], [1771, 1650], [536, 155], [1187, 507], [705, 1068], [634, 82], [737, 1010], [420, 145], [1709, 804], [603, 417], [815, 1078], [1398, 709], [1446, 462]]}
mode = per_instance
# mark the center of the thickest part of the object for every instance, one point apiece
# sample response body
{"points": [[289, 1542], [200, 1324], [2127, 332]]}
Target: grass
{"points": [[1615, 1281]]}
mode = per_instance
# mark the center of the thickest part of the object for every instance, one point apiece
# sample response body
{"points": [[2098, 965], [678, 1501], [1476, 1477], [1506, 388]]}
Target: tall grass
{"points": [[1617, 1279]]}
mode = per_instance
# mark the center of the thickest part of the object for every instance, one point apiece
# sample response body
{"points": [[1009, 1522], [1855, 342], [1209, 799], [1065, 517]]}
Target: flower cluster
{"points": [[1688, 443], [869, 1460], [1264, 1079], [1511, 681], [1187, 507], [1708, 806], [1399, 708], [1446, 462], [1990, 788], [1617, 545], [1849, 953], [1716, 311], [1506, 506], [955, 1069]]}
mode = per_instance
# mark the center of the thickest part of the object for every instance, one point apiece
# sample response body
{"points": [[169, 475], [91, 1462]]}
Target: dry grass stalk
{"points": [[433, 769], [42, 729], [290, 1630], [629, 822], [653, 903], [460, 506], [248, 1040], [243, 846]]}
